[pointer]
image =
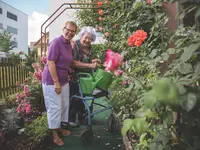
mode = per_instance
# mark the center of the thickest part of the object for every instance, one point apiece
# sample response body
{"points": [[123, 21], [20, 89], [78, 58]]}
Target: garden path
{"points": [[103, 140]]}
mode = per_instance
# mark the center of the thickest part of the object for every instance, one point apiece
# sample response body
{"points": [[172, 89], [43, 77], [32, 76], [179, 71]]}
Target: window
{"points": [[11, 16], [15, 44], [1, 26], [189, 18], [11, 30], [1, 11]]}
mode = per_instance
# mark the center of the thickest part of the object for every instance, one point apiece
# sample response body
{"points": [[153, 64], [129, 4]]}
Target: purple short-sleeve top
{"points": [[60, 51]]}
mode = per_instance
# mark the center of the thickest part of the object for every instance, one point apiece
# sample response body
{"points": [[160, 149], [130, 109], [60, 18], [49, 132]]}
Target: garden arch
{"points": [[44, 26]]}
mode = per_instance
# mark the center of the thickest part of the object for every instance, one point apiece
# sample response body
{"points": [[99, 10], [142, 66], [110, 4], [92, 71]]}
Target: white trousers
{"points": [[57, 105]]}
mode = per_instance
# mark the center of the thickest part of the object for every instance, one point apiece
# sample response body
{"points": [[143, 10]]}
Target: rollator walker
{"points": [[87, 84]]}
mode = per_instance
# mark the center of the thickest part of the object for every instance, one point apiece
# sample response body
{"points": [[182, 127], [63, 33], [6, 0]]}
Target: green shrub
{"points": [[38, 129]]}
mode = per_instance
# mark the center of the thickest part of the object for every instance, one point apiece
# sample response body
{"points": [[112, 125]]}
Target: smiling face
{"points": [[86, 40], [69, 31]]}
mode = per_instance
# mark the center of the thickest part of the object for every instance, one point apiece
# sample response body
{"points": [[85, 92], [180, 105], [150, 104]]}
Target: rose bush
{"points": [[170, 121]]}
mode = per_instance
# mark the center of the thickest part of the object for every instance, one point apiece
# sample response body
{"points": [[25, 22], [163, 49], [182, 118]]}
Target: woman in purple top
{"points": [[55, 83]]}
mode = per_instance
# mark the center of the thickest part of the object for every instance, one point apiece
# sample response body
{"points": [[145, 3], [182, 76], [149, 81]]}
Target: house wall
{"points": [[38, 45], [21, 26], [56, 27]]}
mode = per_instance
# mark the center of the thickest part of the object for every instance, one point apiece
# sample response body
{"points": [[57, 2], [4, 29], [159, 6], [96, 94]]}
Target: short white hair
{"points": [[90, 31]]}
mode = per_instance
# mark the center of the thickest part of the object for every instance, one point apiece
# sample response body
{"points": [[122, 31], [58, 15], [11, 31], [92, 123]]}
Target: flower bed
{"points": [[23, 125]]}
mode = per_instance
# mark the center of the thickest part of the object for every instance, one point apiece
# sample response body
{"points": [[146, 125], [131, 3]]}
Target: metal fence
{"points": [[11, 72]]}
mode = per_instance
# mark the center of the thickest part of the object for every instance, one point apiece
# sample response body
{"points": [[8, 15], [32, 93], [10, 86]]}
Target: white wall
{"points": [[21, 25], [56, 27]]}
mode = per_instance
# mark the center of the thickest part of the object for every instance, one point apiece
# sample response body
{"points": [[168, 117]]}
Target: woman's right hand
{"points": [[57, 87], [94, 65]]}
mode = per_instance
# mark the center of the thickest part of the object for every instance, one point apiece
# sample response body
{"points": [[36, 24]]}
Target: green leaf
{"points": [[168, 118], [142, 137], [145, 112], [165, 56], [185, 68], [197, 13], [197, 69], [139, 125], [153, 53], [149, 99], [127, 125], [188, 51], [189, 101], [171, 50], [181, 88], [143, 141]]}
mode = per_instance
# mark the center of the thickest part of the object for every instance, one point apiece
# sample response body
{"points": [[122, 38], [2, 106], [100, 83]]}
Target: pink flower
{"points": [[113, 61], [100, 28], [26, 90], [18, 109], [36, 65], [118, 73], [100, 18], [43, 60], [129, 81], [107, 34], [149, 1], [20, 52], [28, 108], [38, 74], [124, 82], [18, 96], [100, 12], [115, 26]]}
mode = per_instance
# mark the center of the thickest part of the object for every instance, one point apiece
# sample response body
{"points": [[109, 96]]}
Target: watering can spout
{"points": [[94, 83]]}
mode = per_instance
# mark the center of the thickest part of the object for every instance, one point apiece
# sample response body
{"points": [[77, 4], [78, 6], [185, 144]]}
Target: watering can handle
{"points": [[84, 74]]}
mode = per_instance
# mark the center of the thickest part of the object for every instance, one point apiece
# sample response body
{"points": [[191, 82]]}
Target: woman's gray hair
{"points": [[90, 31]]}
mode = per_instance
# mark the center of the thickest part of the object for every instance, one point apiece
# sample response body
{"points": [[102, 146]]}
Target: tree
{"points": [[6, 42]]}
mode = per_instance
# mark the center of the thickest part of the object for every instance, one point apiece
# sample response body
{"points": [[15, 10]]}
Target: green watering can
{"points": [[105, 82], [88, 83]]}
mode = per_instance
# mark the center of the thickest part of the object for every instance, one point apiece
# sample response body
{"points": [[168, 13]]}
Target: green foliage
{"points": [[9, 120], [8, 101], [98, 51], [6, 43], [146, 64], [38, 129], [29, 60]]}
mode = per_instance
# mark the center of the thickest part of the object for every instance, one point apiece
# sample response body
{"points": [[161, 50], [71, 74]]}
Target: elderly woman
{"points": [[55, 83], [82, 52]]}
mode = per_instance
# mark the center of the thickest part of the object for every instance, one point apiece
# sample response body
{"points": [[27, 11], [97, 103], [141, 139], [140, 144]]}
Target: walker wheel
{"points": [[111, 123], [87, 136]]}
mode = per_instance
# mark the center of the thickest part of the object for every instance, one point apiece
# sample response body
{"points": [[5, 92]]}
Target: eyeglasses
{"points": [[69, 30]]}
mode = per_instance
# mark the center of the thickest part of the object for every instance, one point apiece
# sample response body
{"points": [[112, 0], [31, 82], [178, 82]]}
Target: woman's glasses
{"points": [[69, 30]]}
